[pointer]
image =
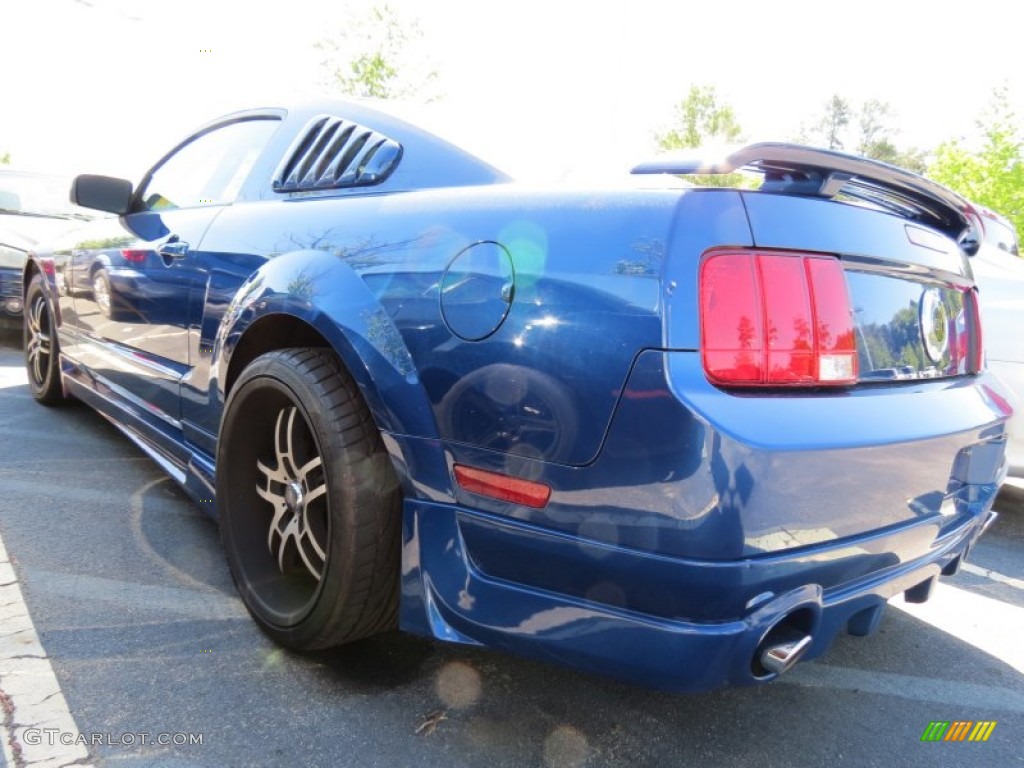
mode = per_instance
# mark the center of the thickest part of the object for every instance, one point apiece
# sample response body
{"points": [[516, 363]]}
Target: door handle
{"points": [[173, 249]]}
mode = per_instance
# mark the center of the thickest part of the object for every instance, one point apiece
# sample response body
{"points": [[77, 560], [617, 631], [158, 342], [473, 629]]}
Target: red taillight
{"points": [[732, 338], [776, 319], [503, 487], [833, 320], [965, 349], [134, 256]]}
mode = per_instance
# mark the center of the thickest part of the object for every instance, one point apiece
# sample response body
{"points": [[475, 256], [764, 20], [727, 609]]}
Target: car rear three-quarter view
{"points": [[678, 436]]}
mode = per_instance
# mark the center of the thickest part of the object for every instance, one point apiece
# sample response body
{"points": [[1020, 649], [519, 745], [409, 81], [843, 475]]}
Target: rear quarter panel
{"points": [[586, 299]]}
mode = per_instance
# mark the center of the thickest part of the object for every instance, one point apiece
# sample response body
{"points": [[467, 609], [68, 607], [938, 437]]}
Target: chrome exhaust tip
{"points": [[780, 657]]}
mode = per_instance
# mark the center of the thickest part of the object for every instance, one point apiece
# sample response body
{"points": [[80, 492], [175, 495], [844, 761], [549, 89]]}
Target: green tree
{"points": [[374, 57], [993, 173], [5, 159], [699, 119], [877, 138], [833, 123], [874, 125]]}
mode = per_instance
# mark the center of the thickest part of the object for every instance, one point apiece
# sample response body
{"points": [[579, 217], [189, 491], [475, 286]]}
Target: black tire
{"points": [[302, 470], [42, 353]]}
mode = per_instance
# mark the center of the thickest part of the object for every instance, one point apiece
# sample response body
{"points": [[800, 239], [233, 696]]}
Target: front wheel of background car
{"points": [[308, 501], [41, 350], [101, 293]]}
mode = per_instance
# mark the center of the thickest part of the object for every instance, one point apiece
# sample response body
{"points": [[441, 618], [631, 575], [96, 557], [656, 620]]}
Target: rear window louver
{"points": [[331, 153]]}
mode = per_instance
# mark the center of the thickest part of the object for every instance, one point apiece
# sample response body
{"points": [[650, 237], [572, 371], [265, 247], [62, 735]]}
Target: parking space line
{"points": [[964, 695], [993, 575], [29, 692], [989, 624]]}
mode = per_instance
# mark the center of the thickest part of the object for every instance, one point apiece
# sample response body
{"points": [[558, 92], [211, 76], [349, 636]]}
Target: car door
{"points": [[134, 283]]}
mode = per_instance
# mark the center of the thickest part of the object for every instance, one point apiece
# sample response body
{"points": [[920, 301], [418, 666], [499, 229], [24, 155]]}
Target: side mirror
{"points": [[103, 193]]}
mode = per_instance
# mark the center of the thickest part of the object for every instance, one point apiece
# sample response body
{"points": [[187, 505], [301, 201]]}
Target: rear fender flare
{"points": [[322, 291], [44, 266]]}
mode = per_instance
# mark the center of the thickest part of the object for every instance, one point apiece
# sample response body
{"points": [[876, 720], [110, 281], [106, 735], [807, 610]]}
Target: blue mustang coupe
{"points": [[679, 436]]}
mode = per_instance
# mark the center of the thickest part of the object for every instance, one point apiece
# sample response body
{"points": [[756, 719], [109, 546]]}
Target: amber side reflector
{"points": [[503, 487]]}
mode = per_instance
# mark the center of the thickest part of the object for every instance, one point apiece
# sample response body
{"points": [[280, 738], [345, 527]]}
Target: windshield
{"points": [[35, 194]]}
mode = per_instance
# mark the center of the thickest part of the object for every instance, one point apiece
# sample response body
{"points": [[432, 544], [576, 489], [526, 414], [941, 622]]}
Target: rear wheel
{"points": [[309, 504], [41, 350]]}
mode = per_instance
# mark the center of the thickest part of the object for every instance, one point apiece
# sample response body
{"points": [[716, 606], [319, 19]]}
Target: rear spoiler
{"points": [[797, 170]]}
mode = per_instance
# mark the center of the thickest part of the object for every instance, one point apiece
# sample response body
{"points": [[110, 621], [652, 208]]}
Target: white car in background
{"points": [[999, 272]]}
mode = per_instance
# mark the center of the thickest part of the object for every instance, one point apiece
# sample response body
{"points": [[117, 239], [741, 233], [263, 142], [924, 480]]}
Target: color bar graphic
{"points": [[958, 730], [982, 730]]}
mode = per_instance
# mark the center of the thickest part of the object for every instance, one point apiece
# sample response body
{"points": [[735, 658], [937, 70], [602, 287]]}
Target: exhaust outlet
{"points": [[784, 644], [780, 657]]}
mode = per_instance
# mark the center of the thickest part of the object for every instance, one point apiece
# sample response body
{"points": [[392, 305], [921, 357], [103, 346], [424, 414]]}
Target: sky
{"points": [[547, 88]]}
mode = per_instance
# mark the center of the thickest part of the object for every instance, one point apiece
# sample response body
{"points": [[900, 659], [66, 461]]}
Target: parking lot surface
{"points": [[136, 615]]}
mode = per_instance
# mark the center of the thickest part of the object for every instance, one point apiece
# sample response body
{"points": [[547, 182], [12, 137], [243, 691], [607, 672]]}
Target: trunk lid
{"points": [[910, 287]]}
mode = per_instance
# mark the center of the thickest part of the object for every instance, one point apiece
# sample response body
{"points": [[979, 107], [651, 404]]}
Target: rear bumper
{"points": [[706, 519], [448, 594]]}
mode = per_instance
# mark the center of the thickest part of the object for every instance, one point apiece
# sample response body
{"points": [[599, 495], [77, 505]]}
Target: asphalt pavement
{"points": [[130, 598]]}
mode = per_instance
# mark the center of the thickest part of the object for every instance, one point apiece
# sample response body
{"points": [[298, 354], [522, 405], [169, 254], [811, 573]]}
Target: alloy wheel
{"points": [[101, 292], [38, 344], [296, 489]]}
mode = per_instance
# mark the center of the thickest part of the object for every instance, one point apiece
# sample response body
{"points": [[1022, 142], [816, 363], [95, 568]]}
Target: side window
{"points": [[210, 169]]}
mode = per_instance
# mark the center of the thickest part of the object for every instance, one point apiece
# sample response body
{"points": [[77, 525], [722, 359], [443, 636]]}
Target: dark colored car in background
{"points": [[680, 436], [33, 207]]}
